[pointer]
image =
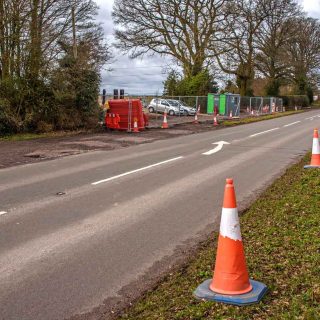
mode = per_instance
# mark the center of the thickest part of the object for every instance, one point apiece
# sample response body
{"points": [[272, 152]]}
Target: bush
{"points": [[44, 127], [290, 102], [9, 123]]}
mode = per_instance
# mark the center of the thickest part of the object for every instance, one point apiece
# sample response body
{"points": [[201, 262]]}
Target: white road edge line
{"points": [[257, 134], [291, 124], [137, 170], [3, 212]]}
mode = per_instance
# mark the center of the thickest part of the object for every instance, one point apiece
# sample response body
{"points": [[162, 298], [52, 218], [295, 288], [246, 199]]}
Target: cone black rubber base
{"points": [[311, 167], [259, 289]]}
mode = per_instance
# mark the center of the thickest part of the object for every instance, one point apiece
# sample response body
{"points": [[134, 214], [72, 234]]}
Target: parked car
{"points": [[162, 105], [187, 110]]}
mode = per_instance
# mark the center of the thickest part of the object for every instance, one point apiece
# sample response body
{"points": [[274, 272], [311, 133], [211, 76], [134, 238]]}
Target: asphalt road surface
{"points": [[78, 230]]}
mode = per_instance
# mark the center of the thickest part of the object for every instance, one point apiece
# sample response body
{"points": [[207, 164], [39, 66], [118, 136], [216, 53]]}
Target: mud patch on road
{"points": [[134, 139], [92, 144], [51, 154]]}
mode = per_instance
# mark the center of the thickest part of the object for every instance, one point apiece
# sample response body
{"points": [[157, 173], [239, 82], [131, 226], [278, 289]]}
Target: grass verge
{"points": [[281, 233], [259, 118]]}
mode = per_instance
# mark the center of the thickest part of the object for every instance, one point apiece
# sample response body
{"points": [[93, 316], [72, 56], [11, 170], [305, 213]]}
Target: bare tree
{"points": [[242, 26], [276, 32], [185, 30], [304, 53]]}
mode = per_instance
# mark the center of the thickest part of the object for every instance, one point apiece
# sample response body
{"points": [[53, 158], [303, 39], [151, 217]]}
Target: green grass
{"points": [[259, 118], [281, 233]]}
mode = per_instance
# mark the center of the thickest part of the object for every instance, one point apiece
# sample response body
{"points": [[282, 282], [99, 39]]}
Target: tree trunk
{"points": [[35, 50]]}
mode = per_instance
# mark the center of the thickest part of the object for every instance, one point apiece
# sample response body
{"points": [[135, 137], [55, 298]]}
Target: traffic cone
{"points": [[196, 116], [165, 121], [230, 283], [230, 273], [230, 115], [215, 120], [135, 126], [315, 159]]}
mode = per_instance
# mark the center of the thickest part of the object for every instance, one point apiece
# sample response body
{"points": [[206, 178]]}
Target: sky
{"points": [[146, 75]]}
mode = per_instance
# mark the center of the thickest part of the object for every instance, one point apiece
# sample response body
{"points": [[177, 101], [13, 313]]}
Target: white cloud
{"points": [[136, 76], [312, 7]]}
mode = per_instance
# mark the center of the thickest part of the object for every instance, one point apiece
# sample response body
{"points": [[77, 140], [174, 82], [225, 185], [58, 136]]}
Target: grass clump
{"points": [[259, 118], [281, 234]]}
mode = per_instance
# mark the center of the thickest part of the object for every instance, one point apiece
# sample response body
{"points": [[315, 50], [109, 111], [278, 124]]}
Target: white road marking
{"points": [[137, 170], [257, 134], [3, 212], [217, 148], [311, 118], [291, 124]]}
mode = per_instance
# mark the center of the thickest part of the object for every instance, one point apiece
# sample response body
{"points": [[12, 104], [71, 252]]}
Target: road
{"points": [[81, 229]]}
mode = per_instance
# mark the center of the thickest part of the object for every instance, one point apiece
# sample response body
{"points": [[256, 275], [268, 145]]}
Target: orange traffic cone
{"points": [[165, 121], [215, 120], [230, 273], [196, 116], [135, 126], [230, 283], [315, 159]]}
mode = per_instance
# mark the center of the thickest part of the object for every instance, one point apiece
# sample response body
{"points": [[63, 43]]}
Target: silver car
{"points": [[162, 105], [187, 110]]}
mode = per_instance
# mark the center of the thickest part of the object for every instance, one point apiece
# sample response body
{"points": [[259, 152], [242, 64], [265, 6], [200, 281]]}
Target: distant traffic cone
{"points": [[135, 126], [315, 158], [230, 283], [230, 115], [165, 121], [215, 120], [196, 116]]}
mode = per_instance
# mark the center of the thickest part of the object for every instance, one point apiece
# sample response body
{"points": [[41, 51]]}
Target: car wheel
{"points": [[171, 113], [151, 109]]}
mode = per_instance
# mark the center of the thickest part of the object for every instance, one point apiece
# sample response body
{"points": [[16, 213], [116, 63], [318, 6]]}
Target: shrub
{"points": [[9, 122], [290, 102]]}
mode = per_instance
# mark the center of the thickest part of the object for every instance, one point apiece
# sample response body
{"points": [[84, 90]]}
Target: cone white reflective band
{"points": [[230, 226], [315, 146]]}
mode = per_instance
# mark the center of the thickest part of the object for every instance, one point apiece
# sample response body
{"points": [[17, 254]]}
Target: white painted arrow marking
{"points": [[3, 212], [217, 148]]}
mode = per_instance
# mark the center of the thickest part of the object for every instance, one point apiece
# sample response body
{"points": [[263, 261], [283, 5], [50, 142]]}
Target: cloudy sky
{"points": [[146, 76]]}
